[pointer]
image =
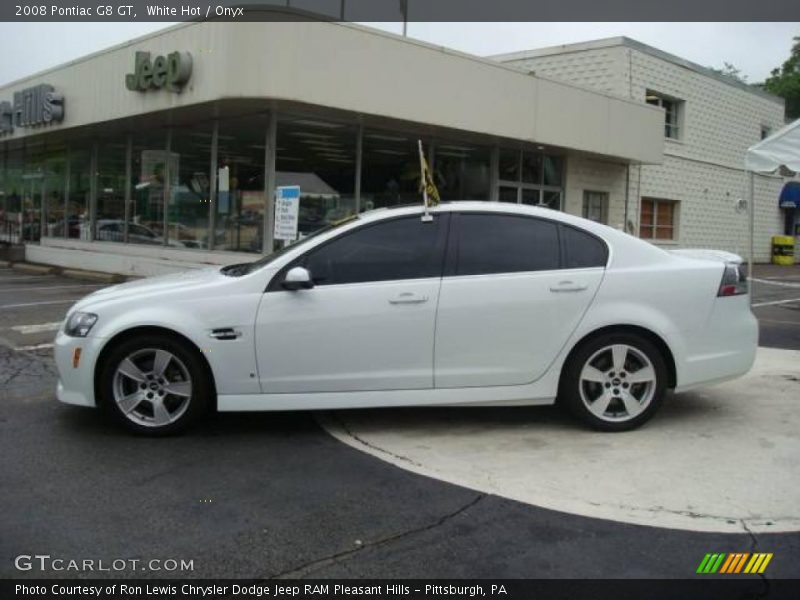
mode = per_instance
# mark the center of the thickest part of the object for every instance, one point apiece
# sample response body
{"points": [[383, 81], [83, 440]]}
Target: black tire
{"points": [[577, 394], [188, 368]]}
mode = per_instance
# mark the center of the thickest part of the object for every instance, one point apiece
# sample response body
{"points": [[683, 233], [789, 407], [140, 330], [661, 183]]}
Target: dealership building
{"points": [[164, 153]]}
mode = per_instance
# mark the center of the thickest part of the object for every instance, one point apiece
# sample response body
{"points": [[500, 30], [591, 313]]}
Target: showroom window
{"points": [[595, 206], [148, 170], [657, 219], [241, 198], [490, 243], [529, 177], [320, 157], [673, 109], [403, 248], [390, 169], [462, 171], [79, 191], [189, 198], [111, 184]]}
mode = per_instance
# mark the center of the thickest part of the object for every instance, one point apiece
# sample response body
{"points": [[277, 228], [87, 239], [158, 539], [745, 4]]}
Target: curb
{"points": [[93, 276], [33, 269], [36, 269]]}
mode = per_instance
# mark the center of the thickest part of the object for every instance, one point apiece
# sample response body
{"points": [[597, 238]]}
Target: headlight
{"points": [[80, 324]]}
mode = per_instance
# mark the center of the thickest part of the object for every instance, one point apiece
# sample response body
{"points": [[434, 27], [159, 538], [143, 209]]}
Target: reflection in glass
{"points": [[149, 174], [553, 170], [531, 167], [239, 218], [55, 163], [509, 165], [507, 194], [78, 186], [111, 190], [461, 171], [189, 203], [320, 157]]}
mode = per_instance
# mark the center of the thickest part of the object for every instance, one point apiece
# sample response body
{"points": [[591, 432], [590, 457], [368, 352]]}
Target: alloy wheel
{"points": [[617, 383], [152, 387]]}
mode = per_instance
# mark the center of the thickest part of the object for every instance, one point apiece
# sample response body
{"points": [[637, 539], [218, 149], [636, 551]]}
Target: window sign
{"points": [[287, 210], [223, 186]]}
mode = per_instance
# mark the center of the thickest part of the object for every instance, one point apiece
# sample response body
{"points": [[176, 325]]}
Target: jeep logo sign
{"points": [[170, 72]]}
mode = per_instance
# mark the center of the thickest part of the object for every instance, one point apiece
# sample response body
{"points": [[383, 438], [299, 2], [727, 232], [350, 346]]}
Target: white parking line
{"points": [[34, 347], [772, 303], [72, 301], [52, 287], [37, 328], [778, 283]]}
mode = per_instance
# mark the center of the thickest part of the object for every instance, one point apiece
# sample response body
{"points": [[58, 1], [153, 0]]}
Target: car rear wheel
{"points": [[155, 385], [615, 382]]}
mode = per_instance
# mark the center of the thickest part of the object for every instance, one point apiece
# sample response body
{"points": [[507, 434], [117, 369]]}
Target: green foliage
{"points": [[785, 81], [730, 70]]}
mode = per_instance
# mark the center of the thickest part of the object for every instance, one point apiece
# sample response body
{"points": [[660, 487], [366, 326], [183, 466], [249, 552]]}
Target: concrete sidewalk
{"points": [[722, 459]]}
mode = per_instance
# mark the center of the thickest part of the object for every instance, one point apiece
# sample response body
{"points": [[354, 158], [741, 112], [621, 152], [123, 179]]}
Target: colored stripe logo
{"points": [[734, 562]]}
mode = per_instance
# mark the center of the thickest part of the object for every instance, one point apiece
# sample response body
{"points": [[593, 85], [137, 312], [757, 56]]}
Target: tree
{"points": [[785, 81], [730, 70]]}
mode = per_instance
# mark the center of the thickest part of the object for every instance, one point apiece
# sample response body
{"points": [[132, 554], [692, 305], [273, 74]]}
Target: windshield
{"points": [[245, 268]]}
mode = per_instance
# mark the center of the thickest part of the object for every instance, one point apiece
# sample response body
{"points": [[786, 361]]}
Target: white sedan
{"points": [[474, 304]]}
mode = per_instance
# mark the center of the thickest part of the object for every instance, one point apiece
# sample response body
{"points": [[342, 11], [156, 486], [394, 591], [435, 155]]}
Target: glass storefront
{"points": [[529, 177], [79, 191], [148, 174], [111, 189], [240, 195], [189, 198], [204, 186], [320, 157]]}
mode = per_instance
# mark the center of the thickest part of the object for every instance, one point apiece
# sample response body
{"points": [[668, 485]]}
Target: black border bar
{"points": [[400, 10]]}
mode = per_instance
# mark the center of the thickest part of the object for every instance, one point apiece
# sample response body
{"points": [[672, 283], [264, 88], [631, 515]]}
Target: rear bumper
{"points": [[76, 384], [724, 349]]}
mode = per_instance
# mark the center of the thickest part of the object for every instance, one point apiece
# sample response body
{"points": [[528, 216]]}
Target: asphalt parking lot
{"points": [[274, 495]]}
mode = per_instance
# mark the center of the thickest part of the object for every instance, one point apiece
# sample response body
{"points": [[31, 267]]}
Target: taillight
{"points": [[734, 280]]}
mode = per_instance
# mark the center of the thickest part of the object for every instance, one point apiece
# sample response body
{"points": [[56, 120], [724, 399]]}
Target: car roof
{"points": [[487, 206]]}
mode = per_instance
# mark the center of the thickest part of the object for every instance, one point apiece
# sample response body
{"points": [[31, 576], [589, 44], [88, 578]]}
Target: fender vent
{"points": [[225, 333]]}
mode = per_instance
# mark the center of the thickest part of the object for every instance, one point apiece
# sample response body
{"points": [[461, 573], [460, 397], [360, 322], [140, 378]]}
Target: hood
{"points": [[151, 285], [707, 254]]}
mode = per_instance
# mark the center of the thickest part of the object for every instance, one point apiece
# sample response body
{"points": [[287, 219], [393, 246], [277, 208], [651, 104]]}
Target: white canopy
{"points": [[782, 148]]}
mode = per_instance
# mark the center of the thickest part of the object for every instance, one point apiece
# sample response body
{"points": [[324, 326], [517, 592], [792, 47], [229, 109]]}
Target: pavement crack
{"points": [[308, 567], [753, 548], [372, 446]]}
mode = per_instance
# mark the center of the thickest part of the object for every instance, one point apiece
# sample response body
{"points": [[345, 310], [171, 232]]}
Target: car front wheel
{"points": [[615, 382], [154, 385]]}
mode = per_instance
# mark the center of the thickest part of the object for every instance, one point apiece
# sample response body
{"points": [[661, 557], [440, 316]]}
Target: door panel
{"points": [[506, 329], [369, 322], [507, 303], [365, 336]]}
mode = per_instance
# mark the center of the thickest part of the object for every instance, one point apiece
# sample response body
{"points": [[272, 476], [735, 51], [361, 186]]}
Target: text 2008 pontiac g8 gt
{"points": [[478, 304]]}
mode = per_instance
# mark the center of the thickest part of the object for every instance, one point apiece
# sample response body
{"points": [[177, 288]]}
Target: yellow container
{"points": [[782, 250]]}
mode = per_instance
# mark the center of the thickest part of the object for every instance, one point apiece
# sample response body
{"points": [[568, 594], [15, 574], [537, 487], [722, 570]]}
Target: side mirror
{"points": [[297, 278]]}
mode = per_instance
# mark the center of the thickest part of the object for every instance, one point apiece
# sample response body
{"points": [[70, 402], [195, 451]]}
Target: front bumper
{"points": [[76, 384]]}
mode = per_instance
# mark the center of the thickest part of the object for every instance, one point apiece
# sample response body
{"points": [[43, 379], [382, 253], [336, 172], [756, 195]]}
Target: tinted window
{"points": [[505, 244], [403, 248], [582, 250]]}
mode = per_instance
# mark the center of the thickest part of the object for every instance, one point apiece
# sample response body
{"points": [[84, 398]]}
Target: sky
{"points": [[755, 48]]}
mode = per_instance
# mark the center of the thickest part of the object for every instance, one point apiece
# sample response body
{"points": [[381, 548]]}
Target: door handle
{"points": [[408, 298], [567, 286]]}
